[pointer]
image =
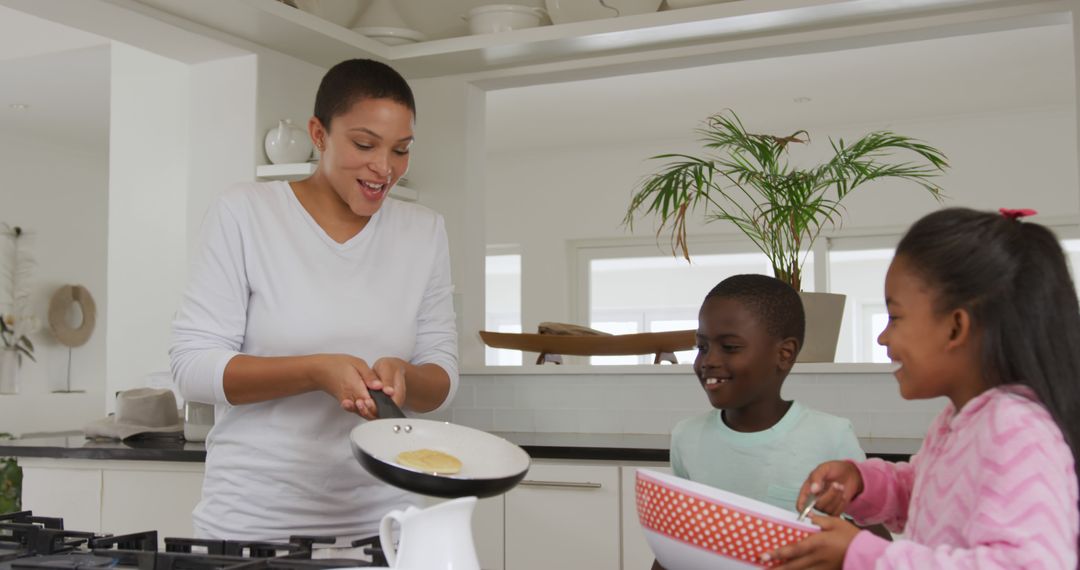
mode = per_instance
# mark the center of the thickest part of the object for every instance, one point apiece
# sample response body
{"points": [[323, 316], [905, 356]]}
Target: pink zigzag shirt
{"points": [[993, 486]]}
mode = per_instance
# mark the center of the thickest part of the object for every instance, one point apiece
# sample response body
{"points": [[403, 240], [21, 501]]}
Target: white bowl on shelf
{"points": [[391, 36], [567, 11], [494, 18], [677, 4]]}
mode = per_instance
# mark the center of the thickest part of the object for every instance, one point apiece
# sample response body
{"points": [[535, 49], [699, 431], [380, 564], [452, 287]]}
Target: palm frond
{"points": [[747, 181]]}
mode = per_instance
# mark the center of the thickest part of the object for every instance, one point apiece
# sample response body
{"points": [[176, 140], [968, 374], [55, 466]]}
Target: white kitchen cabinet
{"points": [[63, 488], [636, 554], [151, 496], [114, 496], [564, 516]]}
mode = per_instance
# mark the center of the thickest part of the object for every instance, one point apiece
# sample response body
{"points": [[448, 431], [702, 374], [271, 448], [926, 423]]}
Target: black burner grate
{"points": [[28, 542]]}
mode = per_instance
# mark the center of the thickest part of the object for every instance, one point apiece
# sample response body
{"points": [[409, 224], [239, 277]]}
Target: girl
{"points": [[982, 311]]}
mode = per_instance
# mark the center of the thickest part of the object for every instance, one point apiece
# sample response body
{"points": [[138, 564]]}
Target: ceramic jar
{"points": [[287, 143]]}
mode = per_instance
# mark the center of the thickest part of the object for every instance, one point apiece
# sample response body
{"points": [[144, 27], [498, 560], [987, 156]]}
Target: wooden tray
{"points": [[659, 343]]}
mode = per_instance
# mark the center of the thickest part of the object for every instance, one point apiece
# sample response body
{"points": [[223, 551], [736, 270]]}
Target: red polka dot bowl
{"points": [[690, 525]]}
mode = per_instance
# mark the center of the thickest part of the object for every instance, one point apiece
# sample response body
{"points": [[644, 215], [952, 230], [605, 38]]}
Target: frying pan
{"points": [[490, 465]]}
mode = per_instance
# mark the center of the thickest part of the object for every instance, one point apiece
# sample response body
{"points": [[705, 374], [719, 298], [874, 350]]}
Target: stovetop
{"points": [[29, 542]]}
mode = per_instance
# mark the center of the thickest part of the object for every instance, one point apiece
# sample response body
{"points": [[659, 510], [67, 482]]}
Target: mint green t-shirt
{"points": [[769, 465]]}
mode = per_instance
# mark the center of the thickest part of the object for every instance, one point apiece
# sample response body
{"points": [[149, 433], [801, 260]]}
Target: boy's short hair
{"points": [[775, 303]]}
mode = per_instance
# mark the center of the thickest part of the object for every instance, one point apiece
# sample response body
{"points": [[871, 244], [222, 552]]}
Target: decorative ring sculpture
{"points": [[61, 302]]}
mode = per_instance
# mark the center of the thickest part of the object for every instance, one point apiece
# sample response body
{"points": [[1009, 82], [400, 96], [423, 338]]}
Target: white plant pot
{"points": [[824, 312], [287, 143], [9, 371], [502, 18]]}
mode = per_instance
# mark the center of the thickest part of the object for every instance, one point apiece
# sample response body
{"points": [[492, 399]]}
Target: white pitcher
{"points": [[287, 143], [435, 538]]}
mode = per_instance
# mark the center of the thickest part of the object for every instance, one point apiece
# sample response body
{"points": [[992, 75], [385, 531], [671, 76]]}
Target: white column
{"points": [[223, 149], [147, 247], [448, 170]]}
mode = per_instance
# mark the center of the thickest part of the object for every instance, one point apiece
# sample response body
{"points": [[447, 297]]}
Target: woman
{"points": [[305, 296]]}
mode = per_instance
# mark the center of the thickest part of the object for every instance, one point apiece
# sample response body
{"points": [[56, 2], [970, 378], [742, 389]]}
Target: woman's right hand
{"points": [[835, 483], [348, 379]]}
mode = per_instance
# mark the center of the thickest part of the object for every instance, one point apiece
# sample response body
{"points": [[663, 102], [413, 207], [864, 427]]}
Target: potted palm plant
{"points": [[745, 179]]}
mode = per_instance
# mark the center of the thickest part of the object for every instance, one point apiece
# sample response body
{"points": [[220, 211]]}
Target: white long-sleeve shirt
{"points": [[271, 282]]}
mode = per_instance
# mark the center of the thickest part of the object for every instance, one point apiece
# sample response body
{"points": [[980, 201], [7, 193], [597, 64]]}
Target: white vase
{"points": [[9, 371], [287, 143]]}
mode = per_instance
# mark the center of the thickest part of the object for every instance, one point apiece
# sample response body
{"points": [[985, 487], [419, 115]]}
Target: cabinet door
{"points": [[487, 528], [636, 554], [135, 500], [70, 493], [564, 516]]}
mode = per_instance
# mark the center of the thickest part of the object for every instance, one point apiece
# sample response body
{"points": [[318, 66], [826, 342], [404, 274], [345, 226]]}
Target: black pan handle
{"points": [[384, 406]]}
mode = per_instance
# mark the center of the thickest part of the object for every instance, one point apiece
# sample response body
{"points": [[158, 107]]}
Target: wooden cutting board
{"points": [[641, 343]]}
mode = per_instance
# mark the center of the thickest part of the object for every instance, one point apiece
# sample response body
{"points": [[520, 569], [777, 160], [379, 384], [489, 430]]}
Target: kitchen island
{"points": [[539, 445], [124, 487]]}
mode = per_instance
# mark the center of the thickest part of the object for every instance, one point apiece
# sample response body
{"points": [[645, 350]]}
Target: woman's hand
{"points": [[825, 549], [834, 483], [391, 372], [348, 379]]}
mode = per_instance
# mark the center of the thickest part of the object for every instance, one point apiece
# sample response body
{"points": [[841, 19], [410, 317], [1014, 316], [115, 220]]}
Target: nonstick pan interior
{"points": [[490, 465]]}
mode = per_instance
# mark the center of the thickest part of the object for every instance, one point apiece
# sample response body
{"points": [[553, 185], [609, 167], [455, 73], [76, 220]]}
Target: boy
{"points": [[754, 443]]}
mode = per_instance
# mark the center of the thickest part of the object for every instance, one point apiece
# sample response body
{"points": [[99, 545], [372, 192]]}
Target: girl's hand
{"points": [[347, 378], [825, 549], [391, 373], [834, 483]]}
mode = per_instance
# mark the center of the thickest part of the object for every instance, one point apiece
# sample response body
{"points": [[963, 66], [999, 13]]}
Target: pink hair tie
{"points": [[1016, 214]]}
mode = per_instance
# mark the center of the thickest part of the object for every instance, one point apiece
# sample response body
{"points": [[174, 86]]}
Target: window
{"points": [[502, 304], [660, 293], [1072, 253], [860, 274]]}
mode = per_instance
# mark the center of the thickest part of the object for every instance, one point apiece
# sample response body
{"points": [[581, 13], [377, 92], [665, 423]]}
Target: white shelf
{"points": [[743, 24], [301, 170], [292, 171]]}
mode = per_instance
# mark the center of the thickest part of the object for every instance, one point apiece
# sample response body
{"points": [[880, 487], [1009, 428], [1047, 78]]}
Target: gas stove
{"points": [[29, 542]]}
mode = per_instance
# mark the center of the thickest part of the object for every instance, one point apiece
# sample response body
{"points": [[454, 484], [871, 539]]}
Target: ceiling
{"points": [[42, 63], [981, 73], [435, 19], [61, 73]]}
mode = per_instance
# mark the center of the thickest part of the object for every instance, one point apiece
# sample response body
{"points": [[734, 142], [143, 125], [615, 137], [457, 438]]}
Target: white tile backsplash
{"points": [[647, 403], [515, 420], [558, 421], [479, 419], [495, 397], [600, 421]]}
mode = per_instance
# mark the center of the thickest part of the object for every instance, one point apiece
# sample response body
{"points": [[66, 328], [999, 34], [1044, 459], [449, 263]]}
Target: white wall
{"points": [[59, 194], [543, 199], [148, 183], [222, 118]]}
